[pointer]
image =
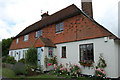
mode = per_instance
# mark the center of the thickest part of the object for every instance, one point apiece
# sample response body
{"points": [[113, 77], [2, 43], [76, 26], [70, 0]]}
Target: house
{"points": [[73, 35]]}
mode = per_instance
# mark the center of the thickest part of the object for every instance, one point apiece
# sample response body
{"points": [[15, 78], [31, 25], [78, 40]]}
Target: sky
{"points": [[15, 15]]}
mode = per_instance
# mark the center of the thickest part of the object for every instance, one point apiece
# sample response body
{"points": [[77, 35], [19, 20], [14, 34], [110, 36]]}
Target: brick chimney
{"points": [[44, 15], [87, 7]]}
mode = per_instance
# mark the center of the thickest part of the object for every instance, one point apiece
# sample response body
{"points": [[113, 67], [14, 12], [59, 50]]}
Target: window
{"points": [[15, 53], [17, 40], [38, 33], [59, 27], [11, 53], [19, 55], [86, 52], [64, 52], [24, 51], [50, 52], [25, 37]]}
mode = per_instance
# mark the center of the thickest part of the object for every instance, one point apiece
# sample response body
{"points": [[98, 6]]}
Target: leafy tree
{"points": [[31, 56], [5, 46]]}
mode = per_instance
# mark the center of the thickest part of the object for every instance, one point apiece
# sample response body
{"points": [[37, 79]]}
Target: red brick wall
{"points": [[75, 28]]}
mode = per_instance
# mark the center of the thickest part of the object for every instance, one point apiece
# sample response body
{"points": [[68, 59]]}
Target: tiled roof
{"points": [[43, 42], [67, 12]]}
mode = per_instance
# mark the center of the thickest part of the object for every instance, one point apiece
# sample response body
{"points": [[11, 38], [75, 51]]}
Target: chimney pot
{"points": [[44, 15]]}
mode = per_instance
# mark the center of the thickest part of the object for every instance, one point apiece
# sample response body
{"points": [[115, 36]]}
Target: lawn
{"points": [[8, 73]]}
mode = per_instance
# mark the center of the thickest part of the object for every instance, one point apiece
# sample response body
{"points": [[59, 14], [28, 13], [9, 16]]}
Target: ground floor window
{"points": [[50, 52], [64, 52], [11, 53], [86, 52]]}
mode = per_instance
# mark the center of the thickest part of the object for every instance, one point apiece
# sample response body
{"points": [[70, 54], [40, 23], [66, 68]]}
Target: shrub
{"points": [[22, 60], [19, 68], [100, 72], [10, 60], [31, 56]]}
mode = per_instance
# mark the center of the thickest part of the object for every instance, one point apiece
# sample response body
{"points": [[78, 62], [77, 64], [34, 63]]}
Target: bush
{"points": [[10, 60], [31, 56], [22, 60], [19, 68]]}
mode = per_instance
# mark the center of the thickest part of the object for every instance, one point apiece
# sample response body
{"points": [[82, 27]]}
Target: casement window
{"points": [[50, 52], [86, 52], [59, 27], [19, 55], [15, 53], [11, 53], [24, 53], [38, 33], [63, 52], [26, 38], [17, 40]]}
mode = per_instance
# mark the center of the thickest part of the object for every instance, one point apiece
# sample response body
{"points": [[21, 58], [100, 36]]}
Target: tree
{"points": [[31, 56], [5, 46]]}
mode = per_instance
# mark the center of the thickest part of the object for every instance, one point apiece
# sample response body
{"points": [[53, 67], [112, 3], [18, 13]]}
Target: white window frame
{"points": [[38, 33], [50, 52], [26, 38], [17, 40], [59, 27]]}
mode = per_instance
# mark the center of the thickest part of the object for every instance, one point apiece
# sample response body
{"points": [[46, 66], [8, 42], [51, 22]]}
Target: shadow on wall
{"points": [[119, 19]]}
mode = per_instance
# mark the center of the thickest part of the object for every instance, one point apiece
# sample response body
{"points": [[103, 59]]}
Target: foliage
{"points": [[72, 70], [46, 61], [31, 56], [100, 72], [53, 60], [101, 63], [22, 60], [86, 63], [9, 59], [50, 61], [19, 68], [5, 46], [8, 73]]}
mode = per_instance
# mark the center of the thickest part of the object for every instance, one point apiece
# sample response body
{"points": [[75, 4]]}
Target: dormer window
{"points": [[26, 38], [38, 33], [59, 27], [17, 40]]}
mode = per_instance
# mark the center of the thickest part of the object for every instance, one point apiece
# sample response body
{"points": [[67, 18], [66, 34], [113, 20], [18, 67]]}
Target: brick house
{"points": [[67, 34]]}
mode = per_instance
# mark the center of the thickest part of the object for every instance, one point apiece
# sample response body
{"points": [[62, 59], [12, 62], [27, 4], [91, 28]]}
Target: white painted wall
{"points": [[15, 55], [117, 44], [100, 46]]}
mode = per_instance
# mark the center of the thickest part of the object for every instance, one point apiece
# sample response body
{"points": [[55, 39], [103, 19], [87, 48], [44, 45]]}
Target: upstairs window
{"points": [[38, 33], [26, 38], [64, 52], [50, 52], [86, 52], [59, 27], [17, 40]]}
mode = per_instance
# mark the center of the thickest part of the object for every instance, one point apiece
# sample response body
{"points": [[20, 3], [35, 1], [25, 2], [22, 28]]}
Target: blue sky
{"points": [[15, 15]]}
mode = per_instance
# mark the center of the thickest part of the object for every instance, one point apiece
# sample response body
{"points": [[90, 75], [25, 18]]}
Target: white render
{"points": [[104, 46], [109, 48], [17, 52]]}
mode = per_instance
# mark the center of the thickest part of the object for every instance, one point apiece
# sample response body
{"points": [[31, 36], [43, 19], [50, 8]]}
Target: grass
{"points": [[8, 73]]}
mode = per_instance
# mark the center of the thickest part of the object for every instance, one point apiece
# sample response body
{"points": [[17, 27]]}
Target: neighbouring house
{"points": [[72, 35]]}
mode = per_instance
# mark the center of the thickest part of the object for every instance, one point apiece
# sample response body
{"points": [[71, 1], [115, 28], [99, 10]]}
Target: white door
{"points": [[39, 54]]}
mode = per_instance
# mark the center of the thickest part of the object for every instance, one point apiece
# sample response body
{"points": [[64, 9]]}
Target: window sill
{"points": [[58, 32], [63, 57]]}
